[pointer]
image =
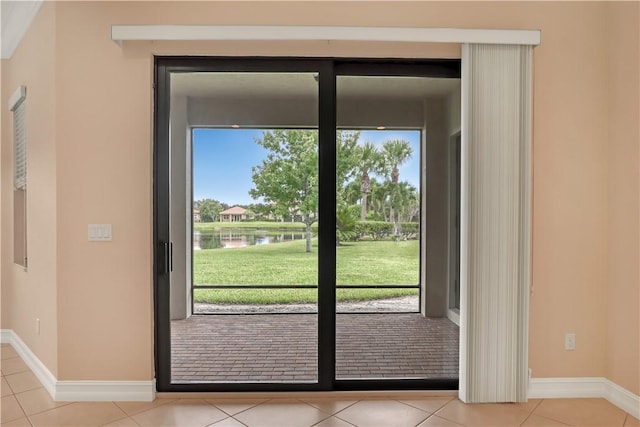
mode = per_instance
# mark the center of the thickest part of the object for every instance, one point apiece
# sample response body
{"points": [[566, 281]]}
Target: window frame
{"points": [[18, 107]]}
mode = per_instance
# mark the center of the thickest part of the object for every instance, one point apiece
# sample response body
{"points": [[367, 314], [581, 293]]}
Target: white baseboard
{"points": [[5, 336], [583, 387], [136, 391], [549, 388], [79, 391], [622, 398], [44, 375]]}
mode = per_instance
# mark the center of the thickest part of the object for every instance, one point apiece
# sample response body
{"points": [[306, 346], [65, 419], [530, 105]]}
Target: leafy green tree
{"points": [[407, 201], [288, 178], [380, 200], [209, 209], [368, 159], [262, 211], [346, 161], [395, 153], [351, 193]]}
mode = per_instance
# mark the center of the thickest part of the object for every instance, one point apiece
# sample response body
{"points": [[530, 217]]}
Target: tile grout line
{"points": [[531, 413], [549, 416], [442, 407], [22, 409], [525, 420], [14, 394], [9, 385], [65, 403], [148, 409], [342, 419], [428, 416], [430, 413], [127, 416], [235, 419], [232, 416], [244, 410], [322, 420], [343, 409], [336, 415]]}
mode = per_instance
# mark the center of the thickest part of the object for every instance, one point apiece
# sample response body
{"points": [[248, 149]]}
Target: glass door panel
{"points": [[384, 125], [244, 307]]}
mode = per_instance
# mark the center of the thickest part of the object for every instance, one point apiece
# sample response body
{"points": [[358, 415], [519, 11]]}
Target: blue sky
{"points": [[222, 161]]}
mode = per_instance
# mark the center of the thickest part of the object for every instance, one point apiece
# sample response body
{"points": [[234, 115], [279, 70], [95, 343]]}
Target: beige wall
{"points": [[104, 164], [570, 193], [32, 294], [623, 328], [102, 170]]}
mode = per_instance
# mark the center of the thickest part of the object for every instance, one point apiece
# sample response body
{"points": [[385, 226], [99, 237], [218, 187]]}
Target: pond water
{"points": [[241, 237]]}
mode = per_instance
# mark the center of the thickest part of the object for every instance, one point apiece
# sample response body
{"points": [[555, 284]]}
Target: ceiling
{"points": [[16, 19], [304, 85]]}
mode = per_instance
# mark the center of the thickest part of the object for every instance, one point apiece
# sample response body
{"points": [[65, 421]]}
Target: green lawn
{"points": [[260, 225], [358, 263]]}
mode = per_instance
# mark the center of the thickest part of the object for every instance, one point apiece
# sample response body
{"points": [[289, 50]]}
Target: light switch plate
{"points": [[570, 341], [99, 232]]}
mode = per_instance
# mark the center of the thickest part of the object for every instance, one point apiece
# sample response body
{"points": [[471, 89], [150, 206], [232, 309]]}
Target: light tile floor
{"points": [[26, 403]]}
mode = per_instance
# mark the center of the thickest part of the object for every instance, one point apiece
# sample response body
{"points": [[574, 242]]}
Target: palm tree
{"points": [[407, 201], [351, 193], [368, 160], [395, 153], [345, 224], [378, 198]]}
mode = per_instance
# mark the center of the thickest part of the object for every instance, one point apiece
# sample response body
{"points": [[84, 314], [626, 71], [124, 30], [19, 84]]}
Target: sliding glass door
{"points": [[254, 161], [291, 225]]}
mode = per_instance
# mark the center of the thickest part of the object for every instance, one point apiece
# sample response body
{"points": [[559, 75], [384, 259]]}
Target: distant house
{"points": [[233, 214], [196, 215]]}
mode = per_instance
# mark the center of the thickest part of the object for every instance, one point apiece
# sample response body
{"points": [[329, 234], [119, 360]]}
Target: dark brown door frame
{"points": [[327, 70]]}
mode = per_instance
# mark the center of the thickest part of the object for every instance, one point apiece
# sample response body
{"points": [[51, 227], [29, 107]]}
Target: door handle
{"points": [[166, 250]]}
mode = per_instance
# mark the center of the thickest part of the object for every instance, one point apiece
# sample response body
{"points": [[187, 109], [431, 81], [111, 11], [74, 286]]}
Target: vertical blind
{"points": [[496, 209], [20, 144]]}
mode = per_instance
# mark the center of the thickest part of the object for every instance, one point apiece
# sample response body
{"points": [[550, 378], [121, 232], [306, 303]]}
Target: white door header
{"points": [[120, 33]]}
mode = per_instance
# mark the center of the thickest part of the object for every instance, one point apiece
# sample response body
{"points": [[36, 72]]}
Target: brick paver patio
{"points": [[283, 347]]}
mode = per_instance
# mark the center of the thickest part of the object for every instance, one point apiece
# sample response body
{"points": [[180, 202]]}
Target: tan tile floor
{"points": [[26, 403]]}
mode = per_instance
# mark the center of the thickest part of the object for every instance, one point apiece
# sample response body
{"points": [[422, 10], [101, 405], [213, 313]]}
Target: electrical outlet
{"points": [[37, 326], [570, 341]]}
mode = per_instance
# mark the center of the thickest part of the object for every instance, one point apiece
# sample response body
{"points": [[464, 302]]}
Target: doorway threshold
{"points": [[347, 394]]}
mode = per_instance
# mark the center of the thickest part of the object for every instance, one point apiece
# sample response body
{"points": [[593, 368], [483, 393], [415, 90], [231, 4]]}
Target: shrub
{"points": [[377, 230], [409, 230], [374, 216], [346, 219]]}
